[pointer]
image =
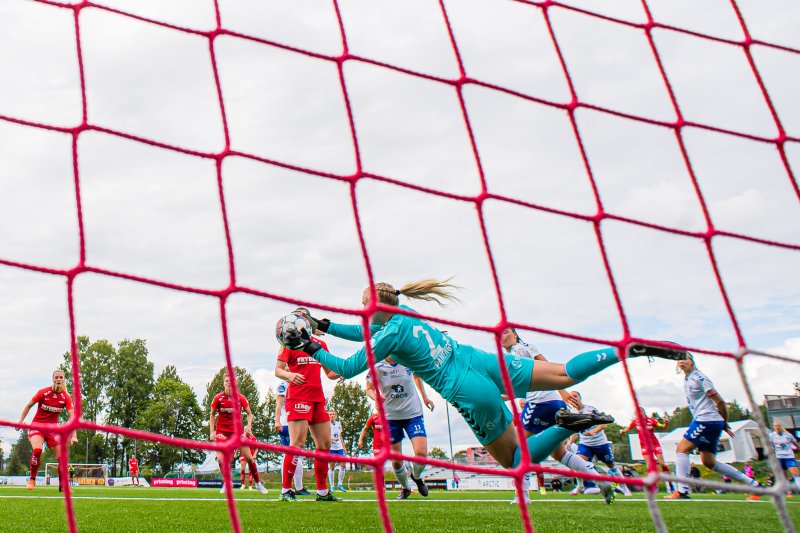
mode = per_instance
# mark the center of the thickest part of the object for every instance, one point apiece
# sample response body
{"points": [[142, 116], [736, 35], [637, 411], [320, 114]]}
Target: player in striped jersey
{"points": [[539, 412], [403, 410], [337, 448], [52, 401], [457, 371], [593, 442], [785, 446], [709, 420]]}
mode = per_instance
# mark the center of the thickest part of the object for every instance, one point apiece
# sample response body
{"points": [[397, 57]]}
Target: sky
{"points": [[155, 213]]}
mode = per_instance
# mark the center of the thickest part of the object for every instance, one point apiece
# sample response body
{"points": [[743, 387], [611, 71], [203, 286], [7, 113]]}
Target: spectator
{"points": [[556, 485], [694, 473], [748, 471]]}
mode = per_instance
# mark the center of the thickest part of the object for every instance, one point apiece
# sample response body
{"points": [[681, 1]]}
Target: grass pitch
{"points": [[195, 510]]}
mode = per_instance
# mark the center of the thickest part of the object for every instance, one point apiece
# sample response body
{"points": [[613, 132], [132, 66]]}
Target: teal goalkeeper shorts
{"points": [[478, 397]]}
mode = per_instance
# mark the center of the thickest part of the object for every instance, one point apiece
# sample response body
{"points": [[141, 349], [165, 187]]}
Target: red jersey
{"points": [[302, 363], [650, 425], [51, 404], [377, 430], [133, 464], [223, 405]]}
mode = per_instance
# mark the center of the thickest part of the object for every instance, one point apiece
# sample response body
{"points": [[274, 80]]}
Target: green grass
{"points": [[130, 510]]}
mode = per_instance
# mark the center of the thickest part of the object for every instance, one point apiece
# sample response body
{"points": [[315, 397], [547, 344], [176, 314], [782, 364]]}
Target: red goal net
{"points": [[757, 110]]}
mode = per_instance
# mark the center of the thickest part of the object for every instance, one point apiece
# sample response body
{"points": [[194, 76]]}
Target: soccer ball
{"points": [[289, 323]]}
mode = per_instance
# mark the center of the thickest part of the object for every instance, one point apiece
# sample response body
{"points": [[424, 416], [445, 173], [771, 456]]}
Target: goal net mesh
{"points": [[776, 136]]}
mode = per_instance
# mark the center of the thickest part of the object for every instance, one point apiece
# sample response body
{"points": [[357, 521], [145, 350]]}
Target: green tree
{"points": [[681, 417], [2, 456], [737, 412], [172, 410], [352, 405], [20, 456], [622, 448], [129, 387], [244, 382], [438, 453], [264, 425], [95, 358]]}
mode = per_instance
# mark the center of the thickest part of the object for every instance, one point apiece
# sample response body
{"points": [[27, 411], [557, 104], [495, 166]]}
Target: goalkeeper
{"points": [[466, 377]]}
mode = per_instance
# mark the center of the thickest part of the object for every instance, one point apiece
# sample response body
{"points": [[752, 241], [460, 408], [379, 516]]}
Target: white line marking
{"points": [[150, 499]]}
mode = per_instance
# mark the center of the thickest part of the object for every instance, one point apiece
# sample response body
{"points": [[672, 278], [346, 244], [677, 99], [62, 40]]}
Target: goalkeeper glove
{"points": [[300, 340]]}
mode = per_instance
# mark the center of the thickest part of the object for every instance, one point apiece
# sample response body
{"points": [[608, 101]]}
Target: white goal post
{"points": [[84, 473]]}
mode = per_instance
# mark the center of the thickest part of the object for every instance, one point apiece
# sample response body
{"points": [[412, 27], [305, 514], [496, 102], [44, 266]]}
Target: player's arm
{"points": [[627, 429], [371, 391], [364, 432], [722, 407], [572, 438], [25, 412], [423, 394], [279, 402], [282, 372], [332, 375], [73, 437], [211, 422], [596, 429], [382, 346]]}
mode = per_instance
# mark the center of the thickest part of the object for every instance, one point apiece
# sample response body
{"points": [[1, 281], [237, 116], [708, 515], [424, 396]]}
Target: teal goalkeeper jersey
{"points": [[410, 341]]}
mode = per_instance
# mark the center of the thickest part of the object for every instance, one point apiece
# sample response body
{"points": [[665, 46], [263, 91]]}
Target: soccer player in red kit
{"points": [[305, 408], [220, 426], [648, 441], [374, 422], [133, 470], [247, 481], [52, 402]]}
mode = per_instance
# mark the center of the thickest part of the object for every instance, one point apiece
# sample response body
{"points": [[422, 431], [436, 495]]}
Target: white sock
{"points": [[322, 492], [575, 462], [682, 465], [731, 472], [402, 477], [526, 484], [797, 482], [330, 478], [341, 475], [418, 469], [298, 474]]}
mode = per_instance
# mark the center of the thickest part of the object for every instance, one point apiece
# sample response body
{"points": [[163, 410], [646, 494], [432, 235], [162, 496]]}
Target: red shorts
{"points": [[134, 473], [656, 450], [314, 412], [49, 438], [222, 436]]}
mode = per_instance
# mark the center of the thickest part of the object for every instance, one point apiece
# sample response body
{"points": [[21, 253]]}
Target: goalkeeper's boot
{"points": [[672, 354], [581, 421], [421, 486], [329, 497], [608, 492], [678, 495], [261, 488], [288, 496], [341, 488], [404, 494], [31, 484]]}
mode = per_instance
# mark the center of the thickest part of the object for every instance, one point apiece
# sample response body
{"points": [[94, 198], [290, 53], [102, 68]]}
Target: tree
{"points": [[94, 358], [681, 417], [352, 405], [622, 448], [244, 382], [2, 456], [20, 455], [129, 387], [172, 410], [264, 425], [438, 453]]}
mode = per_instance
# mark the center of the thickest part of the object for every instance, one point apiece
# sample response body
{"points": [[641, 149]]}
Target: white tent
{"points": [[739, 448]]}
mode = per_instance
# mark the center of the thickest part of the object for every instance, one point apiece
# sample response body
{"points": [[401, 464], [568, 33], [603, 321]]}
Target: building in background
{"points": [[784, 409]]}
